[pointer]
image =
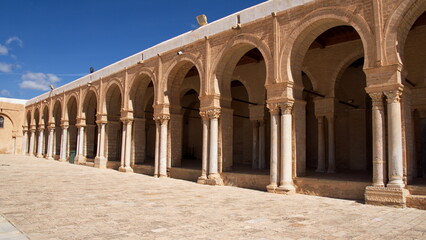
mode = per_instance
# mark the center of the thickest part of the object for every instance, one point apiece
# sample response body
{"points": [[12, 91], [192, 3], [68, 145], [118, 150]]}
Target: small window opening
{"points": [[1, 122]]}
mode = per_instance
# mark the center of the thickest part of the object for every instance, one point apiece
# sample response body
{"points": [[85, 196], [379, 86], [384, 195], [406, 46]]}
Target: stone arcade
{"points": [[322, 97]]}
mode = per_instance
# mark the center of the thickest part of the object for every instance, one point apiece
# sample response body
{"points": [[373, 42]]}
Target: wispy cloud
{"points": [[15, 39], [6, 67], [3, 50], [38, 81], [4, 93]]}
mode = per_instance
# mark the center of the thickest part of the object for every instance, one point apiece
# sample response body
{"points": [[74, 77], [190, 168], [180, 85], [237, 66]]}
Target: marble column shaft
{"points": [[157, 147], [378, 118], [205, 122], [395, 139], [214, 136], [163, 145], [50, 143], [40, 143], [286, 180], [64, 138], [31, 149], [25, 142], [275, 121]]}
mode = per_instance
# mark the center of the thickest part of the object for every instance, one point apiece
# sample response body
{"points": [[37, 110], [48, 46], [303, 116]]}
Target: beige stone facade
{"points": [[288, 89], [11, 125]]}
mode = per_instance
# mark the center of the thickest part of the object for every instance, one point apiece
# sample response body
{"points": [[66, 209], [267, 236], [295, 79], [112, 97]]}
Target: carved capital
{"points": [[377, 99], [274, 108], [163, 118], [214, 113], [393, 96], [204, 115], [287, 107]]}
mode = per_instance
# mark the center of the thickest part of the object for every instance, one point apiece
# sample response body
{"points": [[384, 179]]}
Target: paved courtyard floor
{"points": [[52, 200]]}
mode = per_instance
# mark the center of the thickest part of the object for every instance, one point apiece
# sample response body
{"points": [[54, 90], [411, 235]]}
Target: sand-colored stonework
{"points": [[291, 90]]}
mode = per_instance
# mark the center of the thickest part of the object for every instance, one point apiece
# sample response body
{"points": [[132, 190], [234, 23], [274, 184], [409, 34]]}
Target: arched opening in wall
{"points": [[353, 132], [114, 126], [90, 141], [57, 116], [414, 104], [6, 134], [191, 130], [337, 123], [72, 129], [28, 140], [247, 146], [46, 130], [37, 130], [185, 121], [143, 144], [311, 124]]}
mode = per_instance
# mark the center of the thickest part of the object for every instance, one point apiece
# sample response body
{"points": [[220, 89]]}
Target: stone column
{"points": [[127, 143], [50, 142], [205, 120], [275, 121], [64, 139], [80, 159], [32, 140], [157, 147], [40, 142], [395, 139], [378, 117], [25, 141], [255, 163], [164, 119], [100, 160], [261, 158], [331, 158], [286, 180], [321, 145], [214, 177]]}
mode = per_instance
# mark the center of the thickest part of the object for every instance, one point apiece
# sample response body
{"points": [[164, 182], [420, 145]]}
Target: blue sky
{"points": [[45, 42]]}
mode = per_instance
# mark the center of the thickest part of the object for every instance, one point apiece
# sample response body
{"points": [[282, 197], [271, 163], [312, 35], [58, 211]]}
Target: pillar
{"points": [[40, 142], [331, 152], [157, 147], [261, 157], [25, 141], [255, 144], [100, 160], [164, 119], [32, 133], [50, 142], [275, 120], [395, 138], [286, 180], [126, 143], [64, 139], [214, 177], [321, 145], [80, 159], [378, 138], [205, 147]]}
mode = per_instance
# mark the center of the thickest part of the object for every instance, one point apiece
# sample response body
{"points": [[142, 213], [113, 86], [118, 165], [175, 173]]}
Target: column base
{"points": [[62, 160], [125, 169], [214, 179], [49, 158], [80, 159], [287, 189], [386, 196], [398, 183], [100, 162], [163, 176], [272, 188], [202, 179], [39, 156]]}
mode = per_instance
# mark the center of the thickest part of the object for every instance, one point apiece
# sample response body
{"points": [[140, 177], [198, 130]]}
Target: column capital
{"points": [[162, 118], [393, 96], [32, 128], [214, 113], [204, 115], [25, 128], [126, 120], [377, 99], [274, 108], [286, 107]]}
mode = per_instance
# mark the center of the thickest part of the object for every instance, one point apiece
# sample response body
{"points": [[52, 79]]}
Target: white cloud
{"points": [[3, 50], [4, 93], [38, 81], [6, 67], [15, 39]]}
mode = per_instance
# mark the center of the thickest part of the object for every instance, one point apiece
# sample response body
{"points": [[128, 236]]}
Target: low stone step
{"points": [[417, 190], [416, 201]]}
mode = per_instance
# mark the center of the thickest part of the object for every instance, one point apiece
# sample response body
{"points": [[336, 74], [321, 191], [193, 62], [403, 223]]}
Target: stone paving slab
{"points": [[9, 232], [52, 200]]}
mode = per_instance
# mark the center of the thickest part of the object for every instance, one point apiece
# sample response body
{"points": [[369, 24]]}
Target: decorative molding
{"points": [[274, 108], [214, 113], [287, 107], [393, 96]]}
